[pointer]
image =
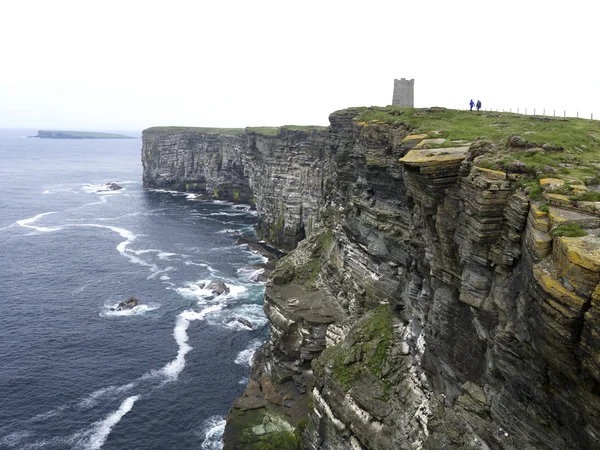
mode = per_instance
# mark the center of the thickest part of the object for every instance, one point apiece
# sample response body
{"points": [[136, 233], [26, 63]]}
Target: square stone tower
{"points": [[404, 93]]}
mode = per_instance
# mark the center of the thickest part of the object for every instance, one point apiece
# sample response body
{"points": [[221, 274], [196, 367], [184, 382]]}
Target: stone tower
{"points": [[404, 93]]}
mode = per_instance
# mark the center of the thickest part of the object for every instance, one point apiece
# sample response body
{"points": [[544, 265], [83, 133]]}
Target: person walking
{"points": [[478, 105], [471, 104]]}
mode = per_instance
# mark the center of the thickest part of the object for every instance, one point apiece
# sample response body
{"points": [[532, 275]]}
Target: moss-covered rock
{"points": [[364, 350], [258, 429]]}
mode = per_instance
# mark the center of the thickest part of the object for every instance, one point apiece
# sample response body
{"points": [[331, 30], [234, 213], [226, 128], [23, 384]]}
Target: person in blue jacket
{"points": [[472, 104]]}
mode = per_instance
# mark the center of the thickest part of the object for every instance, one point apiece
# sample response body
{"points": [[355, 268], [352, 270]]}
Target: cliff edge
{"points": [[444, 287]]}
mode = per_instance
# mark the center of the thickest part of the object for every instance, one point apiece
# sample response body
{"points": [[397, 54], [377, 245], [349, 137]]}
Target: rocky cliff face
{"points": [[283, 174], [429, 305]]}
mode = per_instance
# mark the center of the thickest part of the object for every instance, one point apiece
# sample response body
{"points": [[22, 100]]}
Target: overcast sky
{"points": [[133, 64]]}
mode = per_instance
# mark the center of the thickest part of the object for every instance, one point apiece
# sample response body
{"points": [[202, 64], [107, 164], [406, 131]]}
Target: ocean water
{"points": [[73, 373]]}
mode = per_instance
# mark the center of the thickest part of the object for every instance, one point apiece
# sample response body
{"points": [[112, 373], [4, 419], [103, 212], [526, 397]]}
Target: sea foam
{"points": [[172, 370], [27, 223], [244, 357], [102, 429], [111, 311], [100, 189], [92, 400], [213, 434]]}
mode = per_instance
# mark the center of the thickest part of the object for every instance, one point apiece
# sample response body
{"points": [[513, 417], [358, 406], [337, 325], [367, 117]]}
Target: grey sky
{"points": [[131, 65]]}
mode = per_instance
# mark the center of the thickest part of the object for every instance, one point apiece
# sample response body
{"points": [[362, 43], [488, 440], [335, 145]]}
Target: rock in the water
{"points": [[130, 303], [217, 287], [113, 186], [242, 321]]}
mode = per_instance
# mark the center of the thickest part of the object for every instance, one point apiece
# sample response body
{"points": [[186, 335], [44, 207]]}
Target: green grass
{"points": [[305, 127], [578, 138], [373, 341], [589, 196], [569, 230], [535, 192], [231, 131], [465, 125], [243, 422], [273, 131], [267, 131], [544, 208]]}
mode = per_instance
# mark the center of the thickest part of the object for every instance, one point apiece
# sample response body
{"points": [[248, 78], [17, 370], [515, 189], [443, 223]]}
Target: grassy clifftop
{"points": [[495, 126], [268, 131], [537, 147], [533, 147]]}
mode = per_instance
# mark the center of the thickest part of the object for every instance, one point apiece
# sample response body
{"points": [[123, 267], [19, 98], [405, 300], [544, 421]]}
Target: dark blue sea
{"points": [[75, 374]]}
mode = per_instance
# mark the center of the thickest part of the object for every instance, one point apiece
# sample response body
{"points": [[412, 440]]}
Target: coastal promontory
{"points": [[54, 134], [442, 286]]}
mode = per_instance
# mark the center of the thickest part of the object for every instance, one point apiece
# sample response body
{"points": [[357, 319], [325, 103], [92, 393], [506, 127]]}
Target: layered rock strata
{"points": [[429, 306], [282, 174]]}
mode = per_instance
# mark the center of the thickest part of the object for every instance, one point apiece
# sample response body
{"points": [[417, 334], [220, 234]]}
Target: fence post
{"points": [[544, 112], [564, 114], [525, 111], [578, 114], [554, 113], [534, 111], [517, 110]]}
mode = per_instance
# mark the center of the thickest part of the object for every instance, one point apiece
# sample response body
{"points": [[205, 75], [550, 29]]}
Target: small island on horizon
{"points": [[53, 134]]}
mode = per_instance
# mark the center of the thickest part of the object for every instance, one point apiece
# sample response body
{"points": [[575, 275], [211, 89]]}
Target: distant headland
{"points": [[53, 134]]}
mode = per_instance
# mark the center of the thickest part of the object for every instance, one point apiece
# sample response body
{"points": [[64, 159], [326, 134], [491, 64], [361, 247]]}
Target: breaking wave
{"points": [[213, 433]]}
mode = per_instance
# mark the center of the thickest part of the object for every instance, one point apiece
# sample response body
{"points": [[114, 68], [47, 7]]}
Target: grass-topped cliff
{"points": [[497, 127], [442, 288], [268, 131], [571, 146], [546, 154]]}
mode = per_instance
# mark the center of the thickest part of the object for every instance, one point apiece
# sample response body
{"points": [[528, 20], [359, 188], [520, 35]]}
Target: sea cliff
{"points": [[443, 286]]}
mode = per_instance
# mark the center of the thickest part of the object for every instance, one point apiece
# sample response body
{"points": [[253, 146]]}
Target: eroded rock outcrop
{"points": [[432, 304]]}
